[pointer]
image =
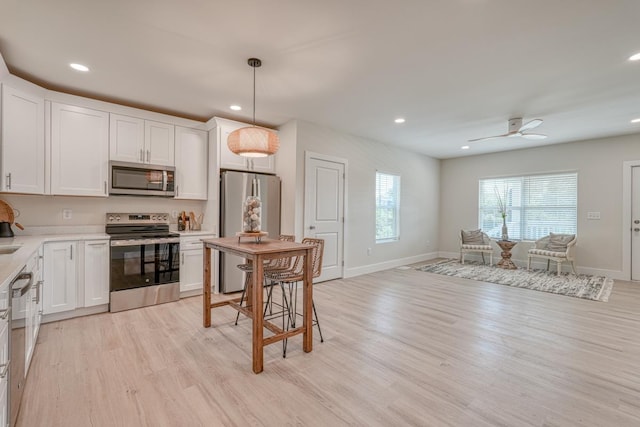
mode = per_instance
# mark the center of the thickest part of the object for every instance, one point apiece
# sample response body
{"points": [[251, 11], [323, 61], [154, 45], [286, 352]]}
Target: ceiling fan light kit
{"points": [[517, 129], [253, 141]]}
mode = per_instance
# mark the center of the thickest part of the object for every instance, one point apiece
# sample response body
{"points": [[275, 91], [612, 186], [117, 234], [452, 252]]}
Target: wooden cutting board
{"points": [[6, 212]]}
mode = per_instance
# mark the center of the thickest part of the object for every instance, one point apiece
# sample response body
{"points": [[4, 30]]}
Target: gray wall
{"points": [[418, 201], [599, 164]]}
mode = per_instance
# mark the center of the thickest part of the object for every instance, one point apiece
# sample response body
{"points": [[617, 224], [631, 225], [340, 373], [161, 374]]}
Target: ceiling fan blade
{"points": [[489, 137], [530, 125], [533, 136]]}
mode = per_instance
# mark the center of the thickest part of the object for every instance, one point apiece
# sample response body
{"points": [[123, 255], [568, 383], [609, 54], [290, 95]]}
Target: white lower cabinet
{"points": [[96, 272], [4, 354], [60, 276], [191, 262]]}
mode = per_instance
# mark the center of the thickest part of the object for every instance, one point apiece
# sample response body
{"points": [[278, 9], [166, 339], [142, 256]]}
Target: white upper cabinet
{"points": [[191, 164], [159, 143], [140, 141], [22, 138], [79, 151], [126, 138], [230, 160]]}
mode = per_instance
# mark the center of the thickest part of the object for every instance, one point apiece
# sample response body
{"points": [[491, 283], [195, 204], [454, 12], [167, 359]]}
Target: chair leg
{"points": [[247, 278], [461, 257], [548, 261], [315, 314], [573, 267], [483, 261], [528, 263], [559, 263], [491, 259]]}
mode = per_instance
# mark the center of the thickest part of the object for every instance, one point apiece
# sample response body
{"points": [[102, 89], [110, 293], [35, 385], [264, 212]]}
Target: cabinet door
{"points": [[59, 277], [263, 164], [22, 142], [190, 270], [191, 164], [126, 139], [96, 272], [159, 143], [229, 160], [79, 151]]}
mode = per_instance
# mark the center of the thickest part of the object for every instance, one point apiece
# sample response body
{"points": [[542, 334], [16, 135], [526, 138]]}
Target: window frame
{"points": [[398, 179]]}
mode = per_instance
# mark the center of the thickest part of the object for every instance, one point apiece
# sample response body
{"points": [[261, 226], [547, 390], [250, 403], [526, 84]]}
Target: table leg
{"points": [[206, 288], [256, 308], [307, 302]]}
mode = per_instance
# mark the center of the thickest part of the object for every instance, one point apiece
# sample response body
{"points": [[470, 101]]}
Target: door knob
{"points": [[636, 229], [637, 221], [312, 227]]}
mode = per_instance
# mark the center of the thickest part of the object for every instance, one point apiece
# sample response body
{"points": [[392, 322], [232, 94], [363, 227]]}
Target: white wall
{"points": [[419, 196], [599, 166]]}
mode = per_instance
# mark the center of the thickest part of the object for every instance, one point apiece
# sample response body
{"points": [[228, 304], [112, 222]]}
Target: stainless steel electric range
{"points": [[145, 260]]}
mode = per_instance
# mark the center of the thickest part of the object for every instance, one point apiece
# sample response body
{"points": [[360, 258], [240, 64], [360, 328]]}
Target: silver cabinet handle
{"points": [[71, 252], [148, 156], [39, 290], [5, 314], [142, 155], [312, 227], [105, 187], [5, 369], [182, 258], [9, 181], [637, 221], [177, 190]]}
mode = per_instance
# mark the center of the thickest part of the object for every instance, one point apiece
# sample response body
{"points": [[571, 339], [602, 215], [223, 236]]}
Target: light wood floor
{"points": [[402, 347]]}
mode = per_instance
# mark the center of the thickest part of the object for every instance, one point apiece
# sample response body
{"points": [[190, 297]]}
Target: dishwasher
{"points": [[20, 288]]}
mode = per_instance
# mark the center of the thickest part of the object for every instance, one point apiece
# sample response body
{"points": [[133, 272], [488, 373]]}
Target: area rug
{"points": [[596, 288]]}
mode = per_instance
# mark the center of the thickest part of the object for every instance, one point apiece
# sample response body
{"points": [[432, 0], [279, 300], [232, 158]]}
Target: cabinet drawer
{"points": [[193, 242]]}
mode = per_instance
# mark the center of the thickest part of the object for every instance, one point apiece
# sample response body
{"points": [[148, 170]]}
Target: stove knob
{"points": [[165, 217], [153, 217], [111, 218], [118, 218]]}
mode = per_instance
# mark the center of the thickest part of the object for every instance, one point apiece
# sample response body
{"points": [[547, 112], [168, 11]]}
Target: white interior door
{"points": [[635, 223], [324, 210]]}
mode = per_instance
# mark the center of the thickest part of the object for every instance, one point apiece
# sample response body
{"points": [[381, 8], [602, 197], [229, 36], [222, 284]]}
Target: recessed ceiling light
{"points": [[236, 107], [635, 57], [399, 120], [79, 67], [464, 147], [635, 121]]}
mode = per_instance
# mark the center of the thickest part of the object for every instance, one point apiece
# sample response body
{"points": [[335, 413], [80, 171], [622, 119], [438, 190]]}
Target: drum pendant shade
{"points": [[252, 141]]}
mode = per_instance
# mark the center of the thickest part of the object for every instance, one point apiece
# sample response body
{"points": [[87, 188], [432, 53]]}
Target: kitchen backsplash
{"points": [[47, 211]]}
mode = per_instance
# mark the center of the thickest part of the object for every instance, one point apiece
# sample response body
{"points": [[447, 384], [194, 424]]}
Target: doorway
{"points": [[635, 223], [324, 189]]}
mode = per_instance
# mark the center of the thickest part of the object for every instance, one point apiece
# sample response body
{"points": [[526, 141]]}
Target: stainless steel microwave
{"points": [[134, 179]]}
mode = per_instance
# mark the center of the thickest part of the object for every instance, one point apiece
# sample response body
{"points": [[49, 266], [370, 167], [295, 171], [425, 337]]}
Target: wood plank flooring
{"points": [[402, 347]]}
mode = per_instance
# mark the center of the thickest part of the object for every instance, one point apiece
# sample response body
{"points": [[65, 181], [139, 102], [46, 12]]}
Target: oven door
{"points": [[140, 263]]}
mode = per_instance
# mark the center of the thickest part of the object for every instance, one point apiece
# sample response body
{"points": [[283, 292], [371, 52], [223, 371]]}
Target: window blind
{"points": [[536, 205]]}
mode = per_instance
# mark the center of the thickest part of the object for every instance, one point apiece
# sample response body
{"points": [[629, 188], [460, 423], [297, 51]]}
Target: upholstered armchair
{"points": [[554, 247], [475, 241]]}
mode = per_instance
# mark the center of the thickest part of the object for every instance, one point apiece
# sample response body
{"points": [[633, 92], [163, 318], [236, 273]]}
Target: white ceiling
{"points": [[455, 69]]}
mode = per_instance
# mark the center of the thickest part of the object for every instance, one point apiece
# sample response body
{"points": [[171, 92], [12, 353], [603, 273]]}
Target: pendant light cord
{"points": [[254, 96]]}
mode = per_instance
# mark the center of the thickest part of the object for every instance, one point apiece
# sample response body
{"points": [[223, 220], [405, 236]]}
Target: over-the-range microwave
{"points": [[134, 179]]}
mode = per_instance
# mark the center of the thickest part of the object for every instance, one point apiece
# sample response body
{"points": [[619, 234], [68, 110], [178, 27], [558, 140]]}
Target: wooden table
{"points": [[505, 262], [257, 253]]}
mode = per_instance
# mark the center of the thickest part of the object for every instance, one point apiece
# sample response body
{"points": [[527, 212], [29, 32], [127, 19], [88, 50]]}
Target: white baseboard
{"points": [[372, 268], [542, 265], [78, 312]]}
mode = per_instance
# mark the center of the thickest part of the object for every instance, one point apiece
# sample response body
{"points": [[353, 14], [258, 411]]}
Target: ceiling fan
{"points": [[516, 128]]}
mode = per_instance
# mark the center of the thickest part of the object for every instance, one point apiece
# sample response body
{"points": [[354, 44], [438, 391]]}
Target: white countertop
{"points": [[11, 264]]}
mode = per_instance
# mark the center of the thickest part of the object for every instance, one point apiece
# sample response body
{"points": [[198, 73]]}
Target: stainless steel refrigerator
{"points": [[235, 187]]}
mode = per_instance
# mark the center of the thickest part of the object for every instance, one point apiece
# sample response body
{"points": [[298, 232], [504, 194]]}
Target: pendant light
{"points": [[253, 141]]}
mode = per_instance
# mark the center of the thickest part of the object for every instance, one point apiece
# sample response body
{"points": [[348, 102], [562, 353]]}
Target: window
{"points": [[387, 207], [535, 205]]}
